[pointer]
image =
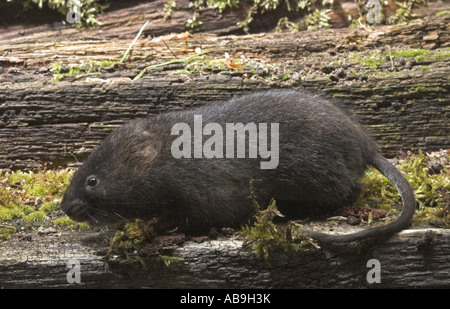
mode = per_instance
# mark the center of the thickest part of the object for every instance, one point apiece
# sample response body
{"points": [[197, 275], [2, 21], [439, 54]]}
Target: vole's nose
{"points": [[75, 209]]}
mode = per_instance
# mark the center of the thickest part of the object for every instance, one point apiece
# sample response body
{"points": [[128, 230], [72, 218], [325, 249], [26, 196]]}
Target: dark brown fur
{"points": [[323, 155]]}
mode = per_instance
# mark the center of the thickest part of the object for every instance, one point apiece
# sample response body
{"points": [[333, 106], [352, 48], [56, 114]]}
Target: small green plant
{"points": [[169, 260], [87, 9], [318, 19], [284, 22], [404, 12], [193, 22], [316, 12], [169, 8], [263, 233], [61, 71]]}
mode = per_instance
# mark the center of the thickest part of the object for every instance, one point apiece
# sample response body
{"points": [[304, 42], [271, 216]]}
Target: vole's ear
{"points": [[147, 146]]}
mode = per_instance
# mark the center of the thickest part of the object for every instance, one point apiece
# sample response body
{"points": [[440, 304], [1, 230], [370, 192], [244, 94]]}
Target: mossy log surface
{"points": [[61, 122], [412, 259]]}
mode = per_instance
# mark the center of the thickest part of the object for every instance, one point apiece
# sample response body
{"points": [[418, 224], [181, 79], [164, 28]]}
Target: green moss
{"points": [[317, 14], [170, 260], [318, 19], [435, 55], [169, 8], [376, 59], [433, 215], [425, 88], [61, 71], [431, 189], [31, 196], [264, 234], [441, 56], [419, 88], [410, 53], [36, 216], [5, 232], [371, 59], [285, 77], [193, 22], [132, 238], [49, 206], [442, 13], [42, 183], [70, 224]]}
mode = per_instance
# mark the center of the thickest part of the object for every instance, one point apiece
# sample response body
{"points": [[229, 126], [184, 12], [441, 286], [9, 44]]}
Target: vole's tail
{"points": [[409, 207]]}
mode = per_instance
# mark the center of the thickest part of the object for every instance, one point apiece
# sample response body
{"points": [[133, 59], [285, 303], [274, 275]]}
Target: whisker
{"points": [[93, 218], [125, 219]]}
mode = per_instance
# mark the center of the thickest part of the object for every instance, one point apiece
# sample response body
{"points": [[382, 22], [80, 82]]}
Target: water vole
{"points": [[315, 153]]}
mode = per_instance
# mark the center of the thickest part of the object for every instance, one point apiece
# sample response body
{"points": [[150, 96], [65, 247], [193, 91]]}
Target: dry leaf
{"points": [[231, 65]]}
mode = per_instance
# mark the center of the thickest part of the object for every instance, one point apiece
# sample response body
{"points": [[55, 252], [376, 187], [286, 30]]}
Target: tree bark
{"points": [[61, 122], [416, 258]]}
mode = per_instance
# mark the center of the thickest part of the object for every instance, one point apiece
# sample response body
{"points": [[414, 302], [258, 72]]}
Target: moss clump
{"points": [[318, 19], [70, 224], [371, 59], [131, 238], [36, 216], [5, 232], [43, 183], [32, 196], [49, 206], [410, 53], [431, 185], [381, 63], [170, 260], [263, 233], [61, 71], [137, 244]]}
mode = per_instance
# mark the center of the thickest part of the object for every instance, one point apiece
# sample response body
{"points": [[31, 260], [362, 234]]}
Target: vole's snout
{"points": [[76, 209]]}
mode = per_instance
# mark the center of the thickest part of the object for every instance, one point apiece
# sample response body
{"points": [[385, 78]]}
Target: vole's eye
{"points": [[91, 181]]}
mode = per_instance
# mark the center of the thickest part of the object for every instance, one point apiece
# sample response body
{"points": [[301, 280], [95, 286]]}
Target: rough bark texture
{"points": [[45, 121], [412, 259]]}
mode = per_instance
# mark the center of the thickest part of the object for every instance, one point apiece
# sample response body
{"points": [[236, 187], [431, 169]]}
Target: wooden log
{"points": [[59, 123], [416, 258]]}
